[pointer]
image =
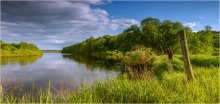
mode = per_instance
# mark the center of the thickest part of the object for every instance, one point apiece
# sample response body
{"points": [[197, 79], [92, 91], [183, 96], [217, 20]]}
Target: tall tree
{"points": [[151, 33], [169, 36]]}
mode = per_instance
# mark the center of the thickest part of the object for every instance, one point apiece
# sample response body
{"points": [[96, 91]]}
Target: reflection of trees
{"points": [[93, 62], [19, 60]]}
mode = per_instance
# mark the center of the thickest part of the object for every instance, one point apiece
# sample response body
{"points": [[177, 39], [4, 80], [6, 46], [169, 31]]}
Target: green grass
{"points": [[205, 61], [172, 86], [202, 60], [19, 53]]}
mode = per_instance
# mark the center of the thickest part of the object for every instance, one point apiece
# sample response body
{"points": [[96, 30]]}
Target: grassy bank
{"points": [[166, 86], [172, 88], [20, 53]]}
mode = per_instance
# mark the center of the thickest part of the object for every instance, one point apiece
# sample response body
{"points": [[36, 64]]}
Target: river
{"points": [[63, 71]]}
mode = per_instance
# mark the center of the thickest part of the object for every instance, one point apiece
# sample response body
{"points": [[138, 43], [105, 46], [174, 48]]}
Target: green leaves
{"points": [[21, 49], [161, 36]]}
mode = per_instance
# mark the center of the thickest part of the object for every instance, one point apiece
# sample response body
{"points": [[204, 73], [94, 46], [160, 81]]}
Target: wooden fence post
{"points": [[1, 92], [186, 59]]}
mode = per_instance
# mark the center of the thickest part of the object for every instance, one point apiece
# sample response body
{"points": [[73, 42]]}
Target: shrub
{"points": [[139, 63]]}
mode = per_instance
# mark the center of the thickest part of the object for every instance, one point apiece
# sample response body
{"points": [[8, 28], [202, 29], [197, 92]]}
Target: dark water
{"points": [[63, 71]]}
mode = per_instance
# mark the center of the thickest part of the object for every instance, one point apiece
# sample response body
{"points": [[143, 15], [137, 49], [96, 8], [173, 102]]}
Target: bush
{"points": [[139, 63]]}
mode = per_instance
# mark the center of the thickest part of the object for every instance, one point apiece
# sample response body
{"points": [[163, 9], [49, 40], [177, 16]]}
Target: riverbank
{"points": [[166, 86], [19, 53], [173, 87], [18, 49]]}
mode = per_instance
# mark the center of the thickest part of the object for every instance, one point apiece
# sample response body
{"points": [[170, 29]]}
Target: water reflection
{"points": [[64, 71], [93, 62], [19, 60]]}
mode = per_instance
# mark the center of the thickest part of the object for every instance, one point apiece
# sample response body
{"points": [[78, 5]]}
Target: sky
{"points": [[56, 24]]}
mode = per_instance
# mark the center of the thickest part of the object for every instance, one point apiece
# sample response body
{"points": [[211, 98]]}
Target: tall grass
{"points": [[139, 63], [172, 88], [202, 60], [205, 61]]}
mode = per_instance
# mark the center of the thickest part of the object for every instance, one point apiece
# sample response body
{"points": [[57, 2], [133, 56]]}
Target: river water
{"points": [[62, 71]]}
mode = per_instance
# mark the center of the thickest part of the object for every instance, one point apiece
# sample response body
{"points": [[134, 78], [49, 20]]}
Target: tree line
{"points": [[18, 49], [161, 36], [20, 46]]}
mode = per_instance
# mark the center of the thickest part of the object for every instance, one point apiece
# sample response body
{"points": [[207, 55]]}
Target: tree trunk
{"points": [[170, 55], [170, 58], [186, 59]]}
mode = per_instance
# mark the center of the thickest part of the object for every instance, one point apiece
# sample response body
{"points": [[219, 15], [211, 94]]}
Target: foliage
{"points": [[204, 42], [169, 37], [21, 49], [138, 57], [161, 36], [139, 63]]}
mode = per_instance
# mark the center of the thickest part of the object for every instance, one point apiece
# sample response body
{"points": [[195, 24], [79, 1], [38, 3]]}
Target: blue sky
{"points": [[55, 24], [200, 13]]}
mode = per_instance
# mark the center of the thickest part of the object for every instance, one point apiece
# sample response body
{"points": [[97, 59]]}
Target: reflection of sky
{"points": [[53, 67]]}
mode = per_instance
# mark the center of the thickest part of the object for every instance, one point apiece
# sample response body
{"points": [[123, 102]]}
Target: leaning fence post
{"points": [[186, 59], [1, 92]]}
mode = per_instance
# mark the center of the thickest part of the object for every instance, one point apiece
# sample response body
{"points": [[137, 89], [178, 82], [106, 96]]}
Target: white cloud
{"points": [[190, 24], [116, 23], [200, 17], [55, 41]]}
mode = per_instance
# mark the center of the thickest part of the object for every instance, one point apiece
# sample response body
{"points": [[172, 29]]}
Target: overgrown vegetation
{"points": [[18, 50], [139, 63], [172, 88]]}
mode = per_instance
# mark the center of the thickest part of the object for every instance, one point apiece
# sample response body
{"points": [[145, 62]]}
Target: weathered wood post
{"points": [[1, 92], [186, 59]]}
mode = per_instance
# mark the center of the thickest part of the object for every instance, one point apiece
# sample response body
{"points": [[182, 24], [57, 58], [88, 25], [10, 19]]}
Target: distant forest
{"points": [[20, 49]]}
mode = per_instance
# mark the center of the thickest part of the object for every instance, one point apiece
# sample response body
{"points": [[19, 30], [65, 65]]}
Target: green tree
{"points": [[169, 32], [151, 33]]}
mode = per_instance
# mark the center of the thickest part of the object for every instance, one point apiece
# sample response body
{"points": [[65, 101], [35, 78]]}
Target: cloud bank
{"points": [[54, 24]]}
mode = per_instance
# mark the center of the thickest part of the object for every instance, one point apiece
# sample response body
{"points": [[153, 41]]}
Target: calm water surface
{"points": [[64, 71]]}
